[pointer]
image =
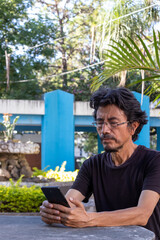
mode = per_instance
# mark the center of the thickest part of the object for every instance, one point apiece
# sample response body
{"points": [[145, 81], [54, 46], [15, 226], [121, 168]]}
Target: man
{"points": [[125, 179]]}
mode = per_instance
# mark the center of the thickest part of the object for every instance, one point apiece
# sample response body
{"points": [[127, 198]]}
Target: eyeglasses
{"points": [[99, 124]]}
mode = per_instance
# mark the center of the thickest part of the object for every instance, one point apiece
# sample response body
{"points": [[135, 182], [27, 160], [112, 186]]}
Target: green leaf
{"points": [[134, 54], [117, 58], [152, 78], [121, 50], [158, 37], [147, 52], [15, 120], [158, 96], [156, 48], [127, 55], [139, 52]]}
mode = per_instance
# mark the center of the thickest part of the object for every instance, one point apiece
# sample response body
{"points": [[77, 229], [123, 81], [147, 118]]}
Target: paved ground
{"points": [[18, 227]]}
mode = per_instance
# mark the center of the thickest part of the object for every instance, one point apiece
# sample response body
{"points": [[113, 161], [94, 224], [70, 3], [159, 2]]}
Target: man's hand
{"points": [[71, 217], [75, 216], [49, 214]]}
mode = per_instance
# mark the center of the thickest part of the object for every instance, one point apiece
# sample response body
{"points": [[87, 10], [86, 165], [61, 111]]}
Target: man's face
{"points": [[113, 136]]}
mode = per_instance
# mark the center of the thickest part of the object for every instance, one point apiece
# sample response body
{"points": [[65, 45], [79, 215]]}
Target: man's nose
{"points": [[105, 128]]}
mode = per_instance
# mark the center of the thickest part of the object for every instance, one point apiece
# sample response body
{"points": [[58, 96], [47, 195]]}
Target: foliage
{"points": [[20, 199], [153, 138], [18, 34], [59, 174], [80, 161], [87, 141], [39, 172], [124, 18], [126, 54], [90, 145], [42, 46], [73, 20], [8, 126], [60, 37], [17, 198]]}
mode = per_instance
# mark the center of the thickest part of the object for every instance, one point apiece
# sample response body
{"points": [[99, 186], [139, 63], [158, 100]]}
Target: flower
{"points": [[8, 126], [6, 117]]}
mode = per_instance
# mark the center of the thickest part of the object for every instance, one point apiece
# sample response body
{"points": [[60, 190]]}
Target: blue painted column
{"points": [[144, 136], [58, 130], [158, 138], [100, 146]]}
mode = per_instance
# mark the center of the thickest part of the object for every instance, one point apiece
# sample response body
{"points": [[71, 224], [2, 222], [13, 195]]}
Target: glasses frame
{"points": [[108, 124]]}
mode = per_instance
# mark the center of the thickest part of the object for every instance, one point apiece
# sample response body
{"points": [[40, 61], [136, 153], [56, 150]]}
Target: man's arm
{"points": [[78, 217], [138, 215]]}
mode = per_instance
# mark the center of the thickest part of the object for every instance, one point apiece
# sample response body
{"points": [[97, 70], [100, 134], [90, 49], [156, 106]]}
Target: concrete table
{"points": [[31, 227]]}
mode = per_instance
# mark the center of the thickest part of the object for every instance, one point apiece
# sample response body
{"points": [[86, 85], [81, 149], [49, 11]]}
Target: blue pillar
{"points": [[158, 138], [144, 136], [100, 146], [58, 130]]}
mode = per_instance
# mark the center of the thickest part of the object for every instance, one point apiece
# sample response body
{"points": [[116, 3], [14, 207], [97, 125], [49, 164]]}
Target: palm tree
{"points": [[128, 54], [126, 18]]}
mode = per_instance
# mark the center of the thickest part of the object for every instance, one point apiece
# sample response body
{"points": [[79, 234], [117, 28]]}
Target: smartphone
{"points": [[54, 195]]}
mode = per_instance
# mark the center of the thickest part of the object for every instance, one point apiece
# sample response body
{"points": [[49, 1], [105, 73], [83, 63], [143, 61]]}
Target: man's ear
{"points": [[133, 127]]}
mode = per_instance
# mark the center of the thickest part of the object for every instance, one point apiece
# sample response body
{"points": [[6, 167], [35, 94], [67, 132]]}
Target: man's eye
{"points": [[113, 123], [100, 122]]}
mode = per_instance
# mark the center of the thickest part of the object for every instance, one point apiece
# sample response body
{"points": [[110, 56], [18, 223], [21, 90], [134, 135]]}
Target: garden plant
{"points": [[17, 198]]}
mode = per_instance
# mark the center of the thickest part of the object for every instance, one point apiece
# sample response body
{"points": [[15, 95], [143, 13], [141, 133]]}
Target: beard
{"points": [[108, 148]]}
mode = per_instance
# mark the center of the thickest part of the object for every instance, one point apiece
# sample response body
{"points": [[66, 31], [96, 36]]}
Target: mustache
{"points": [[106, 136]]}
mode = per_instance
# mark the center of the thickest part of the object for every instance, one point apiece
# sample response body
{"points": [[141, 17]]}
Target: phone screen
{"points": [[54, 195]]}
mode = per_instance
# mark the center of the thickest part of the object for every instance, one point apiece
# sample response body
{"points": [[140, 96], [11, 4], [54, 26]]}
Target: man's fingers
{"points": [[48, 216], [47, 204], [50, 221], [48, 210], [61, 208]]}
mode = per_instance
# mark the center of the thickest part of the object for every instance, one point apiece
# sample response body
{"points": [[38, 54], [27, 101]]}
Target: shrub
{"points": [[28, 199], [20, 199]]}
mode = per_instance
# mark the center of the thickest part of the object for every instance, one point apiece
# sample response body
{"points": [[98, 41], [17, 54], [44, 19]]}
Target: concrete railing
{"points": [[22, 107], [36, 107]]}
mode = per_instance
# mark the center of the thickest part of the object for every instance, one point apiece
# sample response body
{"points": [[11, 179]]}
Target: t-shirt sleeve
{"points": [[152, 175], [84, 180]]}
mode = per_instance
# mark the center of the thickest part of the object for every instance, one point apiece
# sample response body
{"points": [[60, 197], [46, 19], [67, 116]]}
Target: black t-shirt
{"points": [[119, 187]]}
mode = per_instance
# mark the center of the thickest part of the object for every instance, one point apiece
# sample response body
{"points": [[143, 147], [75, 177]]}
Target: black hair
{"points": [[124, 99]]}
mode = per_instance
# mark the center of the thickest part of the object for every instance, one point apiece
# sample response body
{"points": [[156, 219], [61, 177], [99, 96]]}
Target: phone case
{"points": [[54, 195]]}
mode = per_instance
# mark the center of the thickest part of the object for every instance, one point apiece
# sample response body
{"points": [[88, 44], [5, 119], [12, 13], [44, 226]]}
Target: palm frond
{"points": [[157, 98], [123, 51], [152, 78], [147, 53], [134, 54], [126, 54], [156, 49]]}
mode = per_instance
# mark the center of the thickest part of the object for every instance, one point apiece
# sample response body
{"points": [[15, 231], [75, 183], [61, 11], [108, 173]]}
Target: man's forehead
{"points": [[110, 110]]}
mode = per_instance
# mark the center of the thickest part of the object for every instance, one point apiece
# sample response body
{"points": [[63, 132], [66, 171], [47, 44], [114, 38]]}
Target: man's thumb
{"points": [[76, 202]]}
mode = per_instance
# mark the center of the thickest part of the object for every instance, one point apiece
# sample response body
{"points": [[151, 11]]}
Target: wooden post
{"points": [[7, 56]]}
